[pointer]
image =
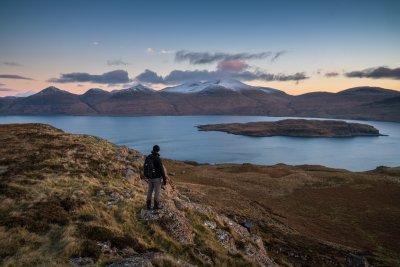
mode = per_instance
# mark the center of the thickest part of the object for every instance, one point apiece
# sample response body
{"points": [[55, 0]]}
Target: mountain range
{"points": [[220, 97]]}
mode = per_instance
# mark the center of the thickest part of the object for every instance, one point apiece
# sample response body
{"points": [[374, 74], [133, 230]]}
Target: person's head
{"points": [[156, 148]]}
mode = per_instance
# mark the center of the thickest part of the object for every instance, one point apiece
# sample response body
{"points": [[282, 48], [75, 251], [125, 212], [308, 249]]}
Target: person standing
{"points": [[154, 172]]}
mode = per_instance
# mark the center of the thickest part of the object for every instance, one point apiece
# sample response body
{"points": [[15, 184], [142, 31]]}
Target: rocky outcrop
{"points": [[251, 245], [295, 128]]}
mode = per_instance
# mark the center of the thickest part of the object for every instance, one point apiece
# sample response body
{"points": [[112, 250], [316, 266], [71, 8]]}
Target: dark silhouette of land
{"points": [[295, 128], [363, 103]]}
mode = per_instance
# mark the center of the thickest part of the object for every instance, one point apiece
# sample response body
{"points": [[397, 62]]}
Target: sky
{"points": [[294, 46]]}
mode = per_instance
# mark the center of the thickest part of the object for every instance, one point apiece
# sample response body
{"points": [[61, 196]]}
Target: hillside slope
{"points": [[68, 199], [73, 199]]}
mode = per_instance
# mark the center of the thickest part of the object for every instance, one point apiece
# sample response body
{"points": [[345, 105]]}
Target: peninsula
{"points": [[295, 128]]}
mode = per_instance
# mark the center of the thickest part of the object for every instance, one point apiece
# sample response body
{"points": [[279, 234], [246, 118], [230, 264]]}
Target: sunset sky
{"points": [[295, 46]]}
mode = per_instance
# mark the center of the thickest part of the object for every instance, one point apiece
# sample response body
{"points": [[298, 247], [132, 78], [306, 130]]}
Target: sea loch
{"points": [[179, 139]]}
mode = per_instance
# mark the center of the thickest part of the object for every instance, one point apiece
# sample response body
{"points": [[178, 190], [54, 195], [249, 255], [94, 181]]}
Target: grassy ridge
{"points": [[64, 196]]}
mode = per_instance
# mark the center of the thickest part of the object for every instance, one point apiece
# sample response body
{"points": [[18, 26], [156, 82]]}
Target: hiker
{"points": [[154, 171]]}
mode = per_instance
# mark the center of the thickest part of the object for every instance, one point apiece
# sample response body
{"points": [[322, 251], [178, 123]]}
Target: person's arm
{"points": [[163, 172]]}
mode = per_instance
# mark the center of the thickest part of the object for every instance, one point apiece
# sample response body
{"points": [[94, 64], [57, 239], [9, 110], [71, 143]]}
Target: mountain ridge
{"points": [[210, 98]]}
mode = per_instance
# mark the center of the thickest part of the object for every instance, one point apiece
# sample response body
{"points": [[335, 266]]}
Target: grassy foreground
{"points": [[305, 212], [65, 197]]}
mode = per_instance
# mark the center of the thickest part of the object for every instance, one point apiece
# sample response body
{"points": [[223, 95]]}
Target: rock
{"points": [[237, 228], [131, 174], [353, 260], [106, 247], [101, 193], [116, 196], [249, 225], [132, 262], [128, 252], [210, 224], [257, 252], [226, 240], [127, 193], [173, 221], [85, 261], [206, 258], [151, 215], [176, 223]]}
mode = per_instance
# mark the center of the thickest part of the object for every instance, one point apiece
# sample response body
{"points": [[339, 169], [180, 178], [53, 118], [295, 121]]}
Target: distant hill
{"points": [[49, 101], [220, 97]]}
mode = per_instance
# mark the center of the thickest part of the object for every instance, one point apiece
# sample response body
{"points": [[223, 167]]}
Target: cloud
{"points": [[117, 62], [376, 73], [7, 90], [12, 64], [165, 52], [13, 76], [149, 50], [153, 51], [95, 43], [278, 55], [331, 74], [232, 65], [198, 58], [265, 76], [179, 76], [1, 84], [149, 76], [112, 77]]}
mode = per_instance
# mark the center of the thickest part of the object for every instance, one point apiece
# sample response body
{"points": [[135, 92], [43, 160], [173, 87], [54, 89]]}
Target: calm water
{"points": [[179, 139]]}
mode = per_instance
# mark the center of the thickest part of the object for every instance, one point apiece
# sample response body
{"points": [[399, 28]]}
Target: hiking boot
{"points": [[157, 206], [148, 205]]}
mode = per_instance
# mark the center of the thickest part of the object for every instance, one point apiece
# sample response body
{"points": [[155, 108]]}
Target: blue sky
{"points": [[43, 40]]}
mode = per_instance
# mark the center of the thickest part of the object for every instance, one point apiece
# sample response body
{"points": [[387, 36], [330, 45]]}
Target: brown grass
{"points": [[357, 210], [50, 208]]}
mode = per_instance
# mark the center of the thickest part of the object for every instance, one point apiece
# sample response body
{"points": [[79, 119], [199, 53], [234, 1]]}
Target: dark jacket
{"points": [[158, 166]]}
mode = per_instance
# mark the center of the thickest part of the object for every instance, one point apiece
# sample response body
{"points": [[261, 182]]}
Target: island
{"points": [[295, 128]]}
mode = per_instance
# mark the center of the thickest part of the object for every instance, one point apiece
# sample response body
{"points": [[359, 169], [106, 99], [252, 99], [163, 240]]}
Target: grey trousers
{"points": [[154, 185]]}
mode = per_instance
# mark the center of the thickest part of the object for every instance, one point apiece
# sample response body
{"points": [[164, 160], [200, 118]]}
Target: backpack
{"points": [[149, 170]]}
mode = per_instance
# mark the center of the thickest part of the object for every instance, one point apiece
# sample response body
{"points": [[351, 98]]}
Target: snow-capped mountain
{"points": [[136, 88], [226, 84]]}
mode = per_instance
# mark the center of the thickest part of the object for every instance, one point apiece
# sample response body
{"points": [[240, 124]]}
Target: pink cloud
{"points": [[331, 74], [232, 65]]}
